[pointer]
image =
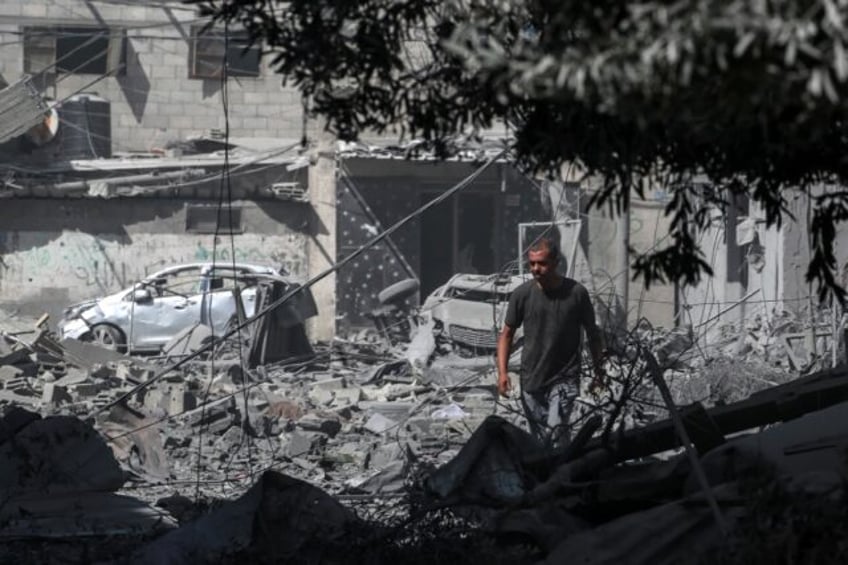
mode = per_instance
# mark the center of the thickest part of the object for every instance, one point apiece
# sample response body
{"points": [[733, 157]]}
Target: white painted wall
{"points": [[54, 253]]}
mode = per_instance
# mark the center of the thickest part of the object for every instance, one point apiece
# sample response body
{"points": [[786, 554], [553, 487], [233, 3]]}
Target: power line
{"points": [[320, 276]]}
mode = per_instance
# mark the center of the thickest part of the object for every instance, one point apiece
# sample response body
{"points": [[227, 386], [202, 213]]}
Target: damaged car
{"points": [[147, 315], [468, 310]]}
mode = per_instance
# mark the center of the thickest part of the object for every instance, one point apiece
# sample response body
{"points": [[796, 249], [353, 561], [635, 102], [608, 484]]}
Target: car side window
{"points": [[182, 282], [226, 279]]}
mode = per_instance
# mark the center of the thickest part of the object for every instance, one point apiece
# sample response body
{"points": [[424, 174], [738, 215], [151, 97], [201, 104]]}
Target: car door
{"points": [[219, 301], [174, 304]]}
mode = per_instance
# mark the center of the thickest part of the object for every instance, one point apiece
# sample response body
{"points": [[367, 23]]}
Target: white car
{"points": [[145, 316], [469, 310]]}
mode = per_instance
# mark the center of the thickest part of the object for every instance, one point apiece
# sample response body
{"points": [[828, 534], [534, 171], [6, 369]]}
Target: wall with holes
{"points": [[475, 231], [57, 252], [153, 100]]}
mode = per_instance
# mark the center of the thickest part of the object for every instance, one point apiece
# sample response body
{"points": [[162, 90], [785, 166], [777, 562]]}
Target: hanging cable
{"points": [[308, 284]]}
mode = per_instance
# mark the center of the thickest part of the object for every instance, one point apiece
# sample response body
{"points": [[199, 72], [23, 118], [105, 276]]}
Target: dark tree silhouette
{"points": [[746, 95]]}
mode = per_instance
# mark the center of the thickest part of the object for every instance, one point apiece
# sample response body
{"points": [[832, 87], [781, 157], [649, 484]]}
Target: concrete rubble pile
{"points": [[635, 497], [96, 443]]}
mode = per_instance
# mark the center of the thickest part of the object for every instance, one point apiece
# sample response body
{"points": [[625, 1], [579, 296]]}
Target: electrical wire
{"points": [[225, 192], [288, 295]]}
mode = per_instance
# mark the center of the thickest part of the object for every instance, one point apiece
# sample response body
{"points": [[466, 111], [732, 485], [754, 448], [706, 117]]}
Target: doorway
{"points": [[457, 236]]}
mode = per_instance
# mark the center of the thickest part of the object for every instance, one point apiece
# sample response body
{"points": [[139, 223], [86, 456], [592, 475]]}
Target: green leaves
{"points": [[749, 94]]}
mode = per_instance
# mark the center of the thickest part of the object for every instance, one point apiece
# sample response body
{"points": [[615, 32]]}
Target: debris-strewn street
{"points": [[374, 282], [353, 450]]}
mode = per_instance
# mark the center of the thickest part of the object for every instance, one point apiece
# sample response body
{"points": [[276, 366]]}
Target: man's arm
{"points": [[596, 348], [504, 345], [595, 341]]}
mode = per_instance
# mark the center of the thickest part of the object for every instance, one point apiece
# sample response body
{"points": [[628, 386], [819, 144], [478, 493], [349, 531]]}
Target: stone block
{"points": [[18, 384], [9, 372], [379, 424], [296, 444], [54, 394], [320, 396], [328, 424], [346, 396]]}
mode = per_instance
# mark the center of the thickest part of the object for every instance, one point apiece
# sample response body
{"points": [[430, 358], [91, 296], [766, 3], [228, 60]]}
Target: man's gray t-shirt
{"points": [[552, 321]]}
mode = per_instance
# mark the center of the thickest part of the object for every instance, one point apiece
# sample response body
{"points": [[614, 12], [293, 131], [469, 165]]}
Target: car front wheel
{"points": [[107, 337]]}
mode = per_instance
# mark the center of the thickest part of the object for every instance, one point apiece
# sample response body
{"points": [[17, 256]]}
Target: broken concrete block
{"points": [[321, 396], [86, 355], [73, 376], [396, 411], [15, 357], [101, 371], [13, 397], [379, 424], [211, 414], [349, 453], [325, 423], [152, 399], [88, 389], [422, 346], [176, 399], [9, 372], [384, 454], [298, 443], [17, 384], [104, 398], [329, 384], [230, 439], [130, 373], [346, 396], [55, 394]]}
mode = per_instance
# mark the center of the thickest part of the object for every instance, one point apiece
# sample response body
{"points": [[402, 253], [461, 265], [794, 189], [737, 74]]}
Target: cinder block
{"points": [[55, 394], [255, 97], [176, 60], [256, 124]]}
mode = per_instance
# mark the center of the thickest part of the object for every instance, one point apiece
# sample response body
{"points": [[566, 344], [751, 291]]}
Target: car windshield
{"points": [[476, 295]]}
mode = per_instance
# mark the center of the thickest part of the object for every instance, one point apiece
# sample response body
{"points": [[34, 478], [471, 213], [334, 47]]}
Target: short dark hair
{"points": [[545, 243]]}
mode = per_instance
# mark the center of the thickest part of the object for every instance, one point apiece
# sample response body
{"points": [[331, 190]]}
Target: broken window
{"points": [[211, 48], [51, 51], [180, 282], [207, 219]]}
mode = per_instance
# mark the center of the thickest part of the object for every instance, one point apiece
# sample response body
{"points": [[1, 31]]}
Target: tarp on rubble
{"points": [[57, 480], [280, 334], [280, 520]]}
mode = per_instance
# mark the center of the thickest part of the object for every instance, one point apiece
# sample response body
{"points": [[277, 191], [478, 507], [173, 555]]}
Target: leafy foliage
{"points": [[748, 95]]}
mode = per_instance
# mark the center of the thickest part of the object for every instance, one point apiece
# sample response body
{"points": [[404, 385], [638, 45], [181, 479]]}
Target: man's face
{"points": [[542, 265]]}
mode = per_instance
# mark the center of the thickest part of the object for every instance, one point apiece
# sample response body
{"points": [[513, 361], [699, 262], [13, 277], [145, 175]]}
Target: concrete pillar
{"points": [[321, 249]]}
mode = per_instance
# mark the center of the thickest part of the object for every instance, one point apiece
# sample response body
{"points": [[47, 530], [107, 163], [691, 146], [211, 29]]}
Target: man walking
{"points": [[553, 309]]}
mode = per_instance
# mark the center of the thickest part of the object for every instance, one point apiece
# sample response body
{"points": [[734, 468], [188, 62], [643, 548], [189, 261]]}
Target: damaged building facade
{"points": [[124, 177], [126, 174]]}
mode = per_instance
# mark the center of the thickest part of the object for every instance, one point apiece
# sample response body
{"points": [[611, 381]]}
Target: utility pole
{"points": [[624, 261]]}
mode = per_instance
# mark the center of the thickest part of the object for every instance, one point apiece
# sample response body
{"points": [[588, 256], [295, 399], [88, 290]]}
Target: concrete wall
{"points": [[648, 228], [392, 188], [718, 301], [796, 254], [57, 252], [155, 101]]}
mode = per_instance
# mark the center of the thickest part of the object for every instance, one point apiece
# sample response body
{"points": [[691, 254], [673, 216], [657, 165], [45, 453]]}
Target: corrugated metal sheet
{"points": [[21, 107]]}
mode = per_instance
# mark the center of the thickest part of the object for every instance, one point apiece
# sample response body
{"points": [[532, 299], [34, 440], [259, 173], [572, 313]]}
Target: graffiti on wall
{"points": [[97, 266]]}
